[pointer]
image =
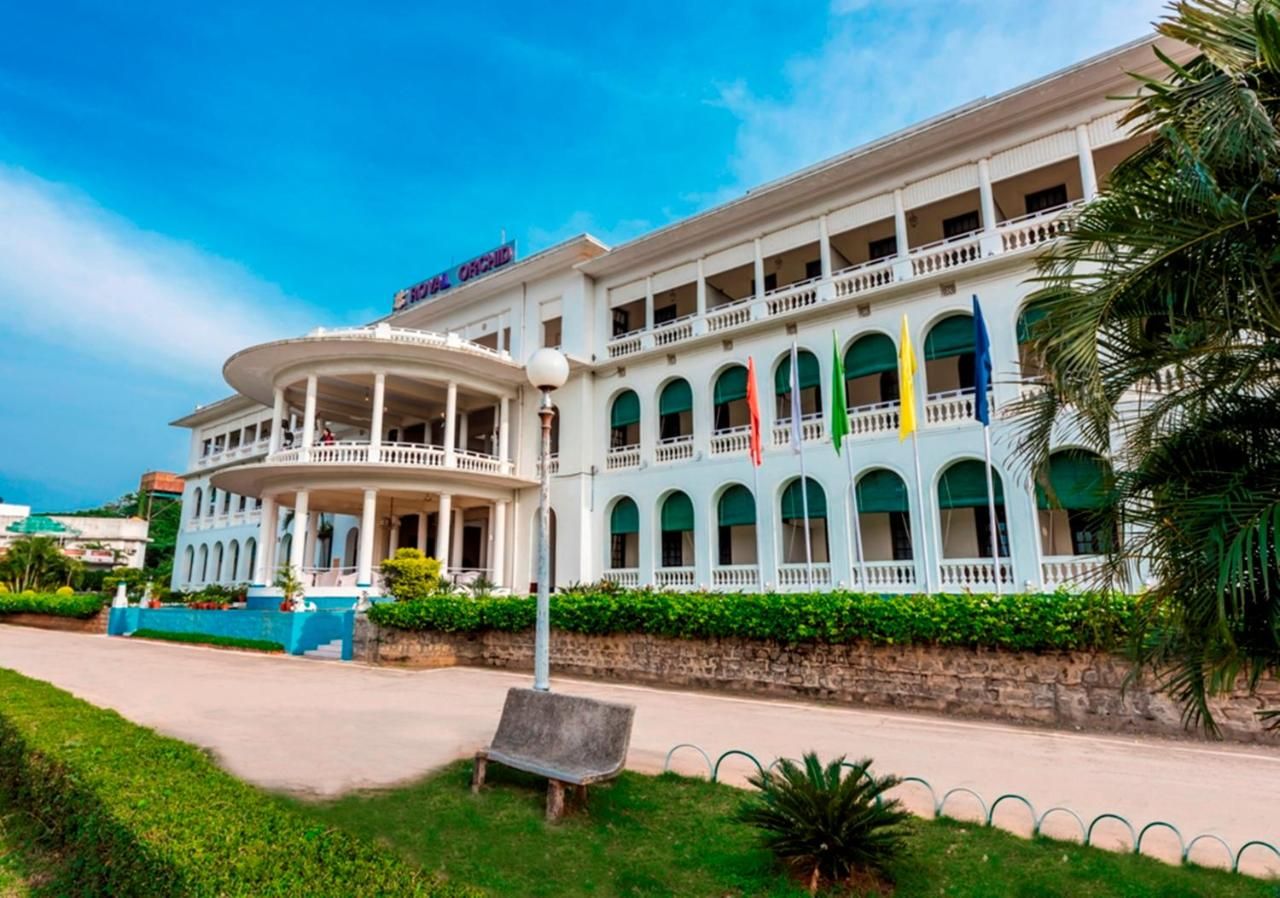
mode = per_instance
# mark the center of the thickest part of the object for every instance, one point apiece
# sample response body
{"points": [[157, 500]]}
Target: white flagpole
{"points": [[926, 521], [857, 524], [991, 509], [797, 438]]}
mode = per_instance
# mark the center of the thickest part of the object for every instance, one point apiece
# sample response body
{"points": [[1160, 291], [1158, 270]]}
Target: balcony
{"points": [[736, 576], [674, 577], [977, 574], [812, 429], [674, 449], [220, 456], [1079, 571], [621, 458], [796, 576], [886, 576], [731, 442], [1025, 234]]}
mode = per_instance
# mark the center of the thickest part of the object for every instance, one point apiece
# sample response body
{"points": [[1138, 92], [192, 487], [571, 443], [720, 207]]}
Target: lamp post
{"points": [[547, 370]]}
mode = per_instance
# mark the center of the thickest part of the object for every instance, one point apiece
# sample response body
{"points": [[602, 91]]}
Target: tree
{"points": [[1161, 340], [36, 562]]}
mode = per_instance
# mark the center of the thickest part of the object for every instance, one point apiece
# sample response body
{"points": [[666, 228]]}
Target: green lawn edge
{"points": [[236, 642]]}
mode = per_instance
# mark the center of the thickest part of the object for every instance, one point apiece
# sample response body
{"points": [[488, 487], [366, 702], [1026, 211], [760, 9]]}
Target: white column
{"points": [[450, 423], [422, 531], [1088, 176], [368, 523], [455, 552], [701, 290], [375, 419], [309, 414], [464, 428], [487, 561], [443, 519], [498, 545], [986, 197], [297, 543], [759, 269], [393, 537], [277, 419], [900, 223], [504, 428], [313, 531], [648, 303], [824, 246], [266, 534]]}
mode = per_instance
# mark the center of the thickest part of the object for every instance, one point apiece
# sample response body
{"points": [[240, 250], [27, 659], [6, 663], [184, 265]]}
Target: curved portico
{"points": [[407, 431]]}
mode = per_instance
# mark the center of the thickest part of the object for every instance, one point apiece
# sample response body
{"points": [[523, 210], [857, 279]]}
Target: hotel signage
{"points": [[496, 258]]}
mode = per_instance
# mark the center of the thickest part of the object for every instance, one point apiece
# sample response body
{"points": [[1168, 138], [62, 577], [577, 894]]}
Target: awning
{"points": [[793, 502], [677, 514], [676, 397], [626, 410], [625, 518], [872, 354], [810, 373], [950, 337], [964, 485], [1079, 481], [1027, 321], [737, 507], [731, 385], [40, 525], [882, 491]]}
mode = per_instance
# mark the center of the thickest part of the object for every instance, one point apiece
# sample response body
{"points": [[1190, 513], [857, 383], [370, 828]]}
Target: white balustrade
{"points": [[1079, 571], [869, 420], [1034, 230], [729, 315], [890, 576], [862, 278], [729, 442], [674, 449], [553, 464], [674, 331], [735, 576], [674, 577], [386, 333], [626, 344], [977, 574], [477, 462], [411, 454], [950, 407], [945, 255], [792, 297], [812, 428], [627, 578], [797, 576], [388, 454], [622, 457]]}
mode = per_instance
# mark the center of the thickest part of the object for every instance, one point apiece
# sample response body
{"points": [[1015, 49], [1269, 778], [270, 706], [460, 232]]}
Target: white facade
{"points": [[434, 429]]}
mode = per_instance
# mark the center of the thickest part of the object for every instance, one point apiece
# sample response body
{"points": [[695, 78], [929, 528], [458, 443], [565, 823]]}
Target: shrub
{"points": [[826, 823], [59, 605], [1022, 622], [135, 813], [64, 591], [411, 575], [3, 589]]}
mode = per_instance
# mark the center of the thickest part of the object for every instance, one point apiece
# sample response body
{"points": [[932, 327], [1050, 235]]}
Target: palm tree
{"points": [[35, 562], [1162, 339]]}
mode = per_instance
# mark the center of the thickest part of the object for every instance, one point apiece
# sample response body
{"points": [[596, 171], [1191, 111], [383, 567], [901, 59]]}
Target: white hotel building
{"points": [[433, 428]]}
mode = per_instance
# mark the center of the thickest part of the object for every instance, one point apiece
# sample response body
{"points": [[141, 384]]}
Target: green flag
{"points": [[838, 423]]}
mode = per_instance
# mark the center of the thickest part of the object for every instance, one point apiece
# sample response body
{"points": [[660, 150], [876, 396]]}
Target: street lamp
{"points": [[547, 369]]}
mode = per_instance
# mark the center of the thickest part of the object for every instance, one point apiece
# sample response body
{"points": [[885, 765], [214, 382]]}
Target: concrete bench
{"points": [[569, 739]]}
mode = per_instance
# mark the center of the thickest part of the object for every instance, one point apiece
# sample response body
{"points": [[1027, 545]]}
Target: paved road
{"points": [[321, 728]]}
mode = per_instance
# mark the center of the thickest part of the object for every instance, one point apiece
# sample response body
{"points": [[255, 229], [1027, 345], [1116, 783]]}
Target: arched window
{"points": [[226, 503], [1030, 362], [948, 355], [964, 516], [810, 380], [204, 563], [884, 516], [555, 432], [284, 548], [217, 562], [675, 410], [624, 535], [677, 530], [250, 558], [213, 501], [797, 506], [233, 561], [351, 551], [730, 398], [188, 564], [1071, 523], [198, 502], [736, 530], [871, 371], [624, 420]]}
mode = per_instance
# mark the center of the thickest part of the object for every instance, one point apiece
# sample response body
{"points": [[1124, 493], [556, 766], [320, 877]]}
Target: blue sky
{"points": [[172, 189]]}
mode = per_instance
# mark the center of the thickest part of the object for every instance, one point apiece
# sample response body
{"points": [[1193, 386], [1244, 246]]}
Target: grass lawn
{"points": [[233, 642], [671, 836], [22, 864]]}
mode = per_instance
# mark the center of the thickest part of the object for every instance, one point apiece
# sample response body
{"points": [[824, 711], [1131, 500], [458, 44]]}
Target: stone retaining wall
{"points": [[95, 624], [1071, 690]]}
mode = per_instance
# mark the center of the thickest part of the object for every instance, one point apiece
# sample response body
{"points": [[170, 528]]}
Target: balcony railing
{"points": [[973, 573], [628, 578], [675, 449], [950, 407], [674, 577], [731, 442], [812, 428], [796, 576], [886, 576], [1016, 235], [553, 464], [224, 456], [872, 420], [735, 576], [389, 454], [620, 458], [1071, 570]]}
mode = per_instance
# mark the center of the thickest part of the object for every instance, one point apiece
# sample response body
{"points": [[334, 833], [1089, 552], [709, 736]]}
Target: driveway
{"points": [[320, 728]]}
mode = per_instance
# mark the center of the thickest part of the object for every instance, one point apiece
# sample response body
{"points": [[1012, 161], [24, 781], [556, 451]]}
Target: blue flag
{"points": [[981, 365]]}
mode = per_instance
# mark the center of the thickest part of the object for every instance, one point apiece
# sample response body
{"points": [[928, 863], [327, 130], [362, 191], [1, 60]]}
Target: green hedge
{"points": [[1022, 621], [138, 814], [78, 605], [235, 642]]}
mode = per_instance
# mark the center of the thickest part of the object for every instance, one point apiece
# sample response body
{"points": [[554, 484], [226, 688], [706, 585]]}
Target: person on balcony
{"points": [[327, 438]]}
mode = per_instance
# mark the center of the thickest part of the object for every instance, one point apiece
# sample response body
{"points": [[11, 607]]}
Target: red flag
{"points": [[753, 409]]}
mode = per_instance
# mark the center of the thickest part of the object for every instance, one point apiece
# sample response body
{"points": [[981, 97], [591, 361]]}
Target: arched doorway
{"points": [[803, 509], [963, 511], [676, 546], [871, 371], [624, 420], [729, 397], [809, 378], [250, 558], [351, 549], [624, 535], [1070, 508], [949, 356]]}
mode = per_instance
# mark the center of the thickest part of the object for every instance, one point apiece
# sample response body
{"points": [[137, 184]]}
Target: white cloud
{"points": [[582, 222], [77, 278], [886, 64]]}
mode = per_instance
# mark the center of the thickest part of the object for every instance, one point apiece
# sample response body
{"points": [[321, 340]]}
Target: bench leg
{"points": [[555, 800], [580, 794], [477, 772]]}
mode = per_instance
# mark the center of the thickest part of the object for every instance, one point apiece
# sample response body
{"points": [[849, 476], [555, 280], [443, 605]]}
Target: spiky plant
{"points": [[826, 822], [1163, 328]]}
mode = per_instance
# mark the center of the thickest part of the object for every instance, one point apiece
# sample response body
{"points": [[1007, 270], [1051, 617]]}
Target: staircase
{"points": [[328, 651]]}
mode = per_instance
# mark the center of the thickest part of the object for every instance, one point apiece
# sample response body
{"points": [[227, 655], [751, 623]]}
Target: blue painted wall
{"points": [[298, 631]]}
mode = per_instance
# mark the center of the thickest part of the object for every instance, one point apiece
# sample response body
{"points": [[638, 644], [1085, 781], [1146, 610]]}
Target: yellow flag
{"points": [[906, 384]]}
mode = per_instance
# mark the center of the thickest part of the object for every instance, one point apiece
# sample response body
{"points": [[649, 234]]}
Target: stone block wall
{"points": [[95, 624], [1070, 690]]}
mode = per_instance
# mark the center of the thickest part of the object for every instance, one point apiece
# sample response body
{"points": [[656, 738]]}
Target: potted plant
{"points": [[290, 588]]}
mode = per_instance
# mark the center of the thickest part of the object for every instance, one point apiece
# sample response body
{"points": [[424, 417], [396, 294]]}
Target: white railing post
{"points": [[364, 563]]}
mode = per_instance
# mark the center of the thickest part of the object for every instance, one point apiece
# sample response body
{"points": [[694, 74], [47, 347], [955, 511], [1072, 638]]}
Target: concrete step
{"points": [[329, 651]]}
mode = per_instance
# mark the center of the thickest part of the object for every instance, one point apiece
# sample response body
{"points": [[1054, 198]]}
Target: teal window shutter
{"points": [[1079, 481], [677, 514], [881, 491], [625, 518], [793, 502], [950, 337], [626, 410], [872, 354], [810, 373], [731, 385], [676, 397], [964, 485], [1031, 316], [737, 507]]}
